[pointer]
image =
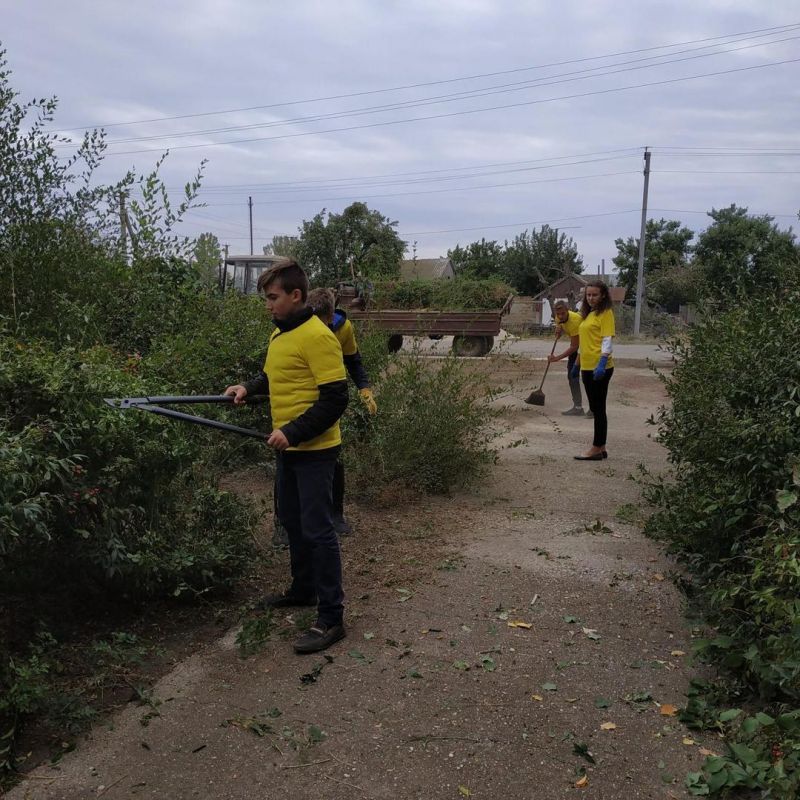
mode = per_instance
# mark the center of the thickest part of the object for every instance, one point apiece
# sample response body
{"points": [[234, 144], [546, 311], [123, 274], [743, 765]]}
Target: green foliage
{"points": [[330, 243], [255, 633], [460, 294], [207, 257], [530, 263], [432, 432], [667, 251], [740, 254], [535, 259], [282, 246], [479, 260], [763, 752], [730, 510]]}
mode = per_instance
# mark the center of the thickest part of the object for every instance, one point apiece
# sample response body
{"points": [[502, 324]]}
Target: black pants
{"points": [[338, 492], [596, 393], [305, 509], [574, 383]]}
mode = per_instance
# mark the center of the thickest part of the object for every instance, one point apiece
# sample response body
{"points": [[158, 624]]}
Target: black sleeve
{"points": [[355, 368], [316, 420], [259, 384]]}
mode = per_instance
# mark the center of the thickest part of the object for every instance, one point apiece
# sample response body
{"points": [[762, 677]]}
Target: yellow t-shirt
{"points": [[573, 323], [592, 332], [298, 362], [347, 338]]}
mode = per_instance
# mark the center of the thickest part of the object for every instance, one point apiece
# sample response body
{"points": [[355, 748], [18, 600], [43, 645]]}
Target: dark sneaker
{"points": [[284, 600], [319, 637], [589, 415], [575, 411], [341, 526]]}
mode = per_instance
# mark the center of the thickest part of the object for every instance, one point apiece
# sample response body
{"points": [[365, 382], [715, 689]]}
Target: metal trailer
{"points": [[473, 332]]}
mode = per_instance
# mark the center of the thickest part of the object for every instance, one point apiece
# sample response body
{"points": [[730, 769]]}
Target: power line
{"points": [[775, 29], [467, 111], [434, 191], [518, 224], [451, 98]]}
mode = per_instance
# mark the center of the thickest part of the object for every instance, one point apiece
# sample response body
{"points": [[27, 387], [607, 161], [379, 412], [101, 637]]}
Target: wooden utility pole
{"points": [[123, 226], [637, 317], [224, 281], [250, 205]]}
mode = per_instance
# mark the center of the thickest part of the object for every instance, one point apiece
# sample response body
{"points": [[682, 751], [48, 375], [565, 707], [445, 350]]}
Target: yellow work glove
{"points": [[368, 399]]}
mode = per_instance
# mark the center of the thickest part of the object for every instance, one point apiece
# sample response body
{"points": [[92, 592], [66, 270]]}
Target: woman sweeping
{"points": [[595, 363]]}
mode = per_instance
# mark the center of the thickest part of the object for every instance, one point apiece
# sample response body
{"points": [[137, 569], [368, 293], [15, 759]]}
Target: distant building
{"points": [[426, 269]]}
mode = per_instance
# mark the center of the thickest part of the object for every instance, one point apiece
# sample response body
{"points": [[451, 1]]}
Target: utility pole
{"points": [[602, 266], [250, 205], [224, 281], [637, 318], [123, 226]]}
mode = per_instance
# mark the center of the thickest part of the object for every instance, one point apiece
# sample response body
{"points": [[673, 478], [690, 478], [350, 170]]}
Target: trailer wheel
{"points": [[395, 342], [472, 346]]}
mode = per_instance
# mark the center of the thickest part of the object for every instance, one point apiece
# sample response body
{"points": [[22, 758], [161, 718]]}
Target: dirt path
{"points": [[435, 694]]}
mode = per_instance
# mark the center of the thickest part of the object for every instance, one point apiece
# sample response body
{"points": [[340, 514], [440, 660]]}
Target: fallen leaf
{"points": [[537, 697], [602, 702], [549, 687], [704, 751], [677, 653], [608, 726], [582, 783], [464, 792], [667, 710], [591, 633], [688, 740], [658, 576], [517, 623]]}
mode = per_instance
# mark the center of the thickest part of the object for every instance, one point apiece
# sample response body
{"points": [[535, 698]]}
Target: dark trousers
{"points": [[574, 383], [338, 491], [305, 509], [596, 393]]}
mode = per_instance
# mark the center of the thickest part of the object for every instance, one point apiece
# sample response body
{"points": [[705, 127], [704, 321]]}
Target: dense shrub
{"points": [[460, 294], [730, 509], [433, 431]]}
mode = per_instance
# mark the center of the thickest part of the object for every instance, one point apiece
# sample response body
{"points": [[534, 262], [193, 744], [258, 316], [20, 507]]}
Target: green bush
{"points": [[729, 508], [460, 294], [433, 430]]}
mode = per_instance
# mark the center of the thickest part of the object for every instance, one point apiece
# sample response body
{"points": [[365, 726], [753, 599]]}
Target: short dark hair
{"points": [[322, 302], [605, 298], [290, 274]]}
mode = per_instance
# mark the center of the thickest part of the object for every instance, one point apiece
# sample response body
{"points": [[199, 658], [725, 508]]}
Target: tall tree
{"points": [[281, 246], [535, 259], [667, 247], [478, 260], [330, 243], [741, 254], [207, 255]]}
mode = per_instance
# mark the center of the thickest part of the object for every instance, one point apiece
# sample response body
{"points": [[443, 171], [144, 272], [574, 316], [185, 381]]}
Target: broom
{"points": [[536, 397]]}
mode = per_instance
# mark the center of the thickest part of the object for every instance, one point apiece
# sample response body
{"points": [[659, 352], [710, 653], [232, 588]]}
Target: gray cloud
{"points": [[121, 63]]}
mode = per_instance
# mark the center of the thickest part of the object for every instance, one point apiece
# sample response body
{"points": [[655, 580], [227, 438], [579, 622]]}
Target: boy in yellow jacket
{"points": [[305, 378]]}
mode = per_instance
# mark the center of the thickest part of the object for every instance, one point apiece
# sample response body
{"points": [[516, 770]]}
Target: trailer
{"points": [[473, 332]]}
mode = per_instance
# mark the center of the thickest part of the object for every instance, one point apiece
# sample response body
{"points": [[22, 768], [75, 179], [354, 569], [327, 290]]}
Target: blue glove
{"points": [[600, 369], [575, 372]]}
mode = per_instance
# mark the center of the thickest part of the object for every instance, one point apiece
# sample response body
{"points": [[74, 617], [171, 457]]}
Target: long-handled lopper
{"points": [[536, 397], [153, 405]]}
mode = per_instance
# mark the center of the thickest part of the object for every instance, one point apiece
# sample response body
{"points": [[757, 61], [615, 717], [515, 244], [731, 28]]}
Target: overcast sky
{"points": [[526, 115]]}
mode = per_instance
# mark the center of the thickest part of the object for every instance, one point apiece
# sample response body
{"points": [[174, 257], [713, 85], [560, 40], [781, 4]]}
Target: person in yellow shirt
{"points": [[323, 303], [595, 361], [305, 379], [569, 322]]}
